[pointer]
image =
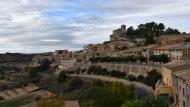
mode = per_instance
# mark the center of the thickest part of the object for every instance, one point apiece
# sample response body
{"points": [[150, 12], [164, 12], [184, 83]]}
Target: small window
{"points": [[183, 92], [188, 96], [183, 103]]}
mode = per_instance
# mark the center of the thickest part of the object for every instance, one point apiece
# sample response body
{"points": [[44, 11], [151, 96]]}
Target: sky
{"points": [[32, 26]]}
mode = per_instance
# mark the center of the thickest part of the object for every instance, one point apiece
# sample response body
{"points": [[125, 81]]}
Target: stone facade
{"points": [[175, 51], [119, 34], [174, 77], [132, 69], [172, 39], [148, 51], [65, 65], [106, 49], [36, 61], [61, 55], [135, 51], [181, 88]]}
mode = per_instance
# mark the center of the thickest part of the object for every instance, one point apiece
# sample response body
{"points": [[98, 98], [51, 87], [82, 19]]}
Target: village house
{"points": [[148, 50], [135, 51], [174, 51], [37, 60], [181, 86], [175, 75], [61, 54], [65, 65], [165, 49], [79, 56]]}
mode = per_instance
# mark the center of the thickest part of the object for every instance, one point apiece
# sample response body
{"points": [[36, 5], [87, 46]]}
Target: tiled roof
{"points": [[175, 64], [183, 74], [188, 82]]}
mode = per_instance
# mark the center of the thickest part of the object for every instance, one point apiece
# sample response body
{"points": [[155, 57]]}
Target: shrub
{"points": [[51, 102], [62, 77], [74, 83], [132, 78], [152, 78], [140, 78], [45, 64], [145, 103], [34, 72]]}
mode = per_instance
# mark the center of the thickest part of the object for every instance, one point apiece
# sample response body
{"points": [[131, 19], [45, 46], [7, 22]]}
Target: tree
{"points": [[152, 78], [130, 32], [131, 78], [45, 64], [150, 40], [74, 83], [160, 58], [149, 29], [33, 72], [109, 95], [51, 102], [119, 93], [169, 31], [145, 103], [62, 77], [140, 78], [164, 58], [142, 59]]}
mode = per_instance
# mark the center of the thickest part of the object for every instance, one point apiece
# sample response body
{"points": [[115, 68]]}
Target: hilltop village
{"points": [[156, 61]]}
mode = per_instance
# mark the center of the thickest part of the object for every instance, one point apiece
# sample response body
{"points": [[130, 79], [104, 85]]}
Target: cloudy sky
{"points": [[31, 26]]}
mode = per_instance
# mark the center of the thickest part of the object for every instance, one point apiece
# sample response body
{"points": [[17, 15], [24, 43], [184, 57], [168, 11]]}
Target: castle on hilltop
{"points": [[119, 34]]}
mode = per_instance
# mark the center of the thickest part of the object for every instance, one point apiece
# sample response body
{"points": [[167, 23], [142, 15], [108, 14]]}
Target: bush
{"points": [[119, 59], [117, 74], [152, 78], [110, 95], [45, 64], [160, 58], [51, 102], [34, 72], [132, 78], [62, 77], [140, 78], [145, 103], [74, 83]]}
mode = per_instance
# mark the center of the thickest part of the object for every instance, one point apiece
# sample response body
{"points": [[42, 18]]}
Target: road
{"points": [[140, 86]]}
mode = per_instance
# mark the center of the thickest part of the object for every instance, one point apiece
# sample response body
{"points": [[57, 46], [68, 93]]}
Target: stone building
{"points": [[181, 87], [65, 65], [79, 56], [175, 75], [119, 34], [62, 54], [118, 42], [148, 51], [175, 51], [37, 60], [135, 51]]}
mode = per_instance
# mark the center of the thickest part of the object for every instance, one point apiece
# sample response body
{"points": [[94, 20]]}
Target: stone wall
{"points": [[132, 69]]}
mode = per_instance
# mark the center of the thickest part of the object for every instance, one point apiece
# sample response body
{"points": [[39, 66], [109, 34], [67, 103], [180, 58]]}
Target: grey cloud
{"points": [[24, 25]]}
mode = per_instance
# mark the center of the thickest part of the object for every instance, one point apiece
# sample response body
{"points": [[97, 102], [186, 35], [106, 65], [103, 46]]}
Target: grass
{"points": [[16, 103]]}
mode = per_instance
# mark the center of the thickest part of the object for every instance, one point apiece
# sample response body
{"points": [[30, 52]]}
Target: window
{"points": [[183, 92], [183, 103], [188, 96]]}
